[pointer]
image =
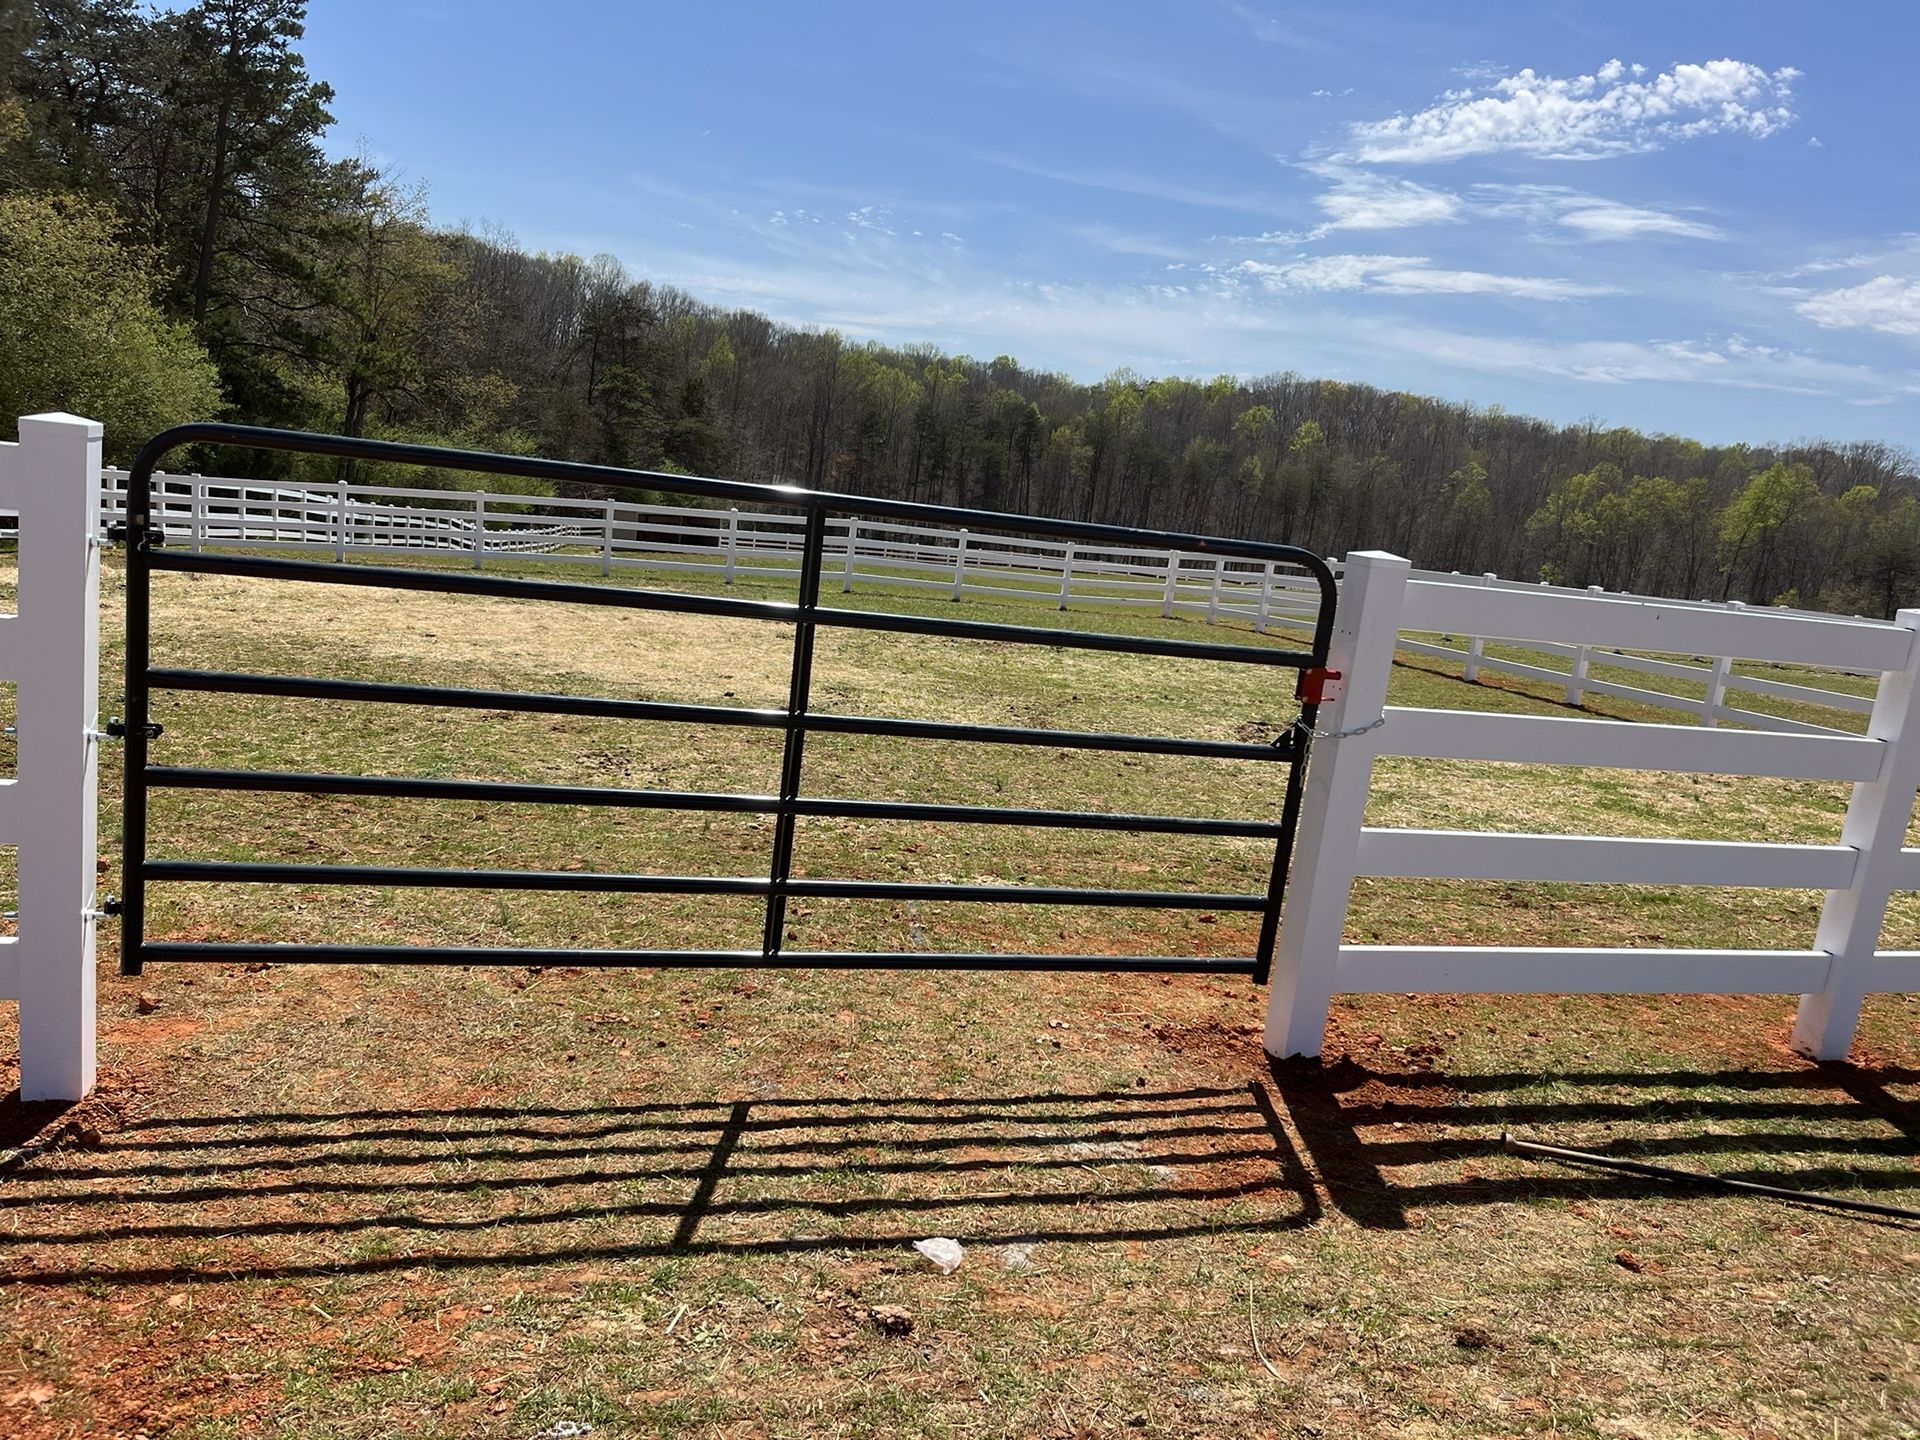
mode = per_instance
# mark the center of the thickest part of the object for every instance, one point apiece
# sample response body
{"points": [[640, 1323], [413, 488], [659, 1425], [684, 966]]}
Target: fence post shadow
{"points": [[1342, 1162]]}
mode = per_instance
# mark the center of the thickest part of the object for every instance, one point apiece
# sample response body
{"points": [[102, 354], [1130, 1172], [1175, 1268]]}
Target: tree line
{"points": [[176, 244]]}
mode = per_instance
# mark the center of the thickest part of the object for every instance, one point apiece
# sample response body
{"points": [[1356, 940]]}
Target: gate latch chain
{"points": [[1306, 729], [1318, 685]]}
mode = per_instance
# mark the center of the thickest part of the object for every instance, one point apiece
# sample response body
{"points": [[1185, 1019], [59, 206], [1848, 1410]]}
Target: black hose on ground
{"points": [[1695, 1177]]}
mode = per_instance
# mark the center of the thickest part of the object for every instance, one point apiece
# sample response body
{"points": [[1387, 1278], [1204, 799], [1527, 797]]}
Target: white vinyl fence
{"points": [[52, 480], [1859, 873], [205, 512]]}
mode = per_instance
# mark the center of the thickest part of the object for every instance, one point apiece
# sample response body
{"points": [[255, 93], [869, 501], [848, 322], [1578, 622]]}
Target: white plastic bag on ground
{"points": [[944, 1254]]}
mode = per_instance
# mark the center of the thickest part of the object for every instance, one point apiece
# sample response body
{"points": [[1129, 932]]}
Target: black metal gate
{"points": [[146, 552]]}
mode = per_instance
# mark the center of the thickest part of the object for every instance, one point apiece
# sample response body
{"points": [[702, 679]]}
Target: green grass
{"points": [[452, 1202]]}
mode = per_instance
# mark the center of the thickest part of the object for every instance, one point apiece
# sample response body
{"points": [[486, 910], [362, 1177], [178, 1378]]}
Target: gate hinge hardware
{"points": [[1318, 685], [110, 905], [117, 729], [117, 535]]}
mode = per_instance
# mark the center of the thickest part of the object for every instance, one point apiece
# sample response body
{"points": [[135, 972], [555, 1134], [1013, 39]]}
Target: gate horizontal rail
{"points": [[303, 687], [211, 952], [500, 587], [796, 721], [240, 871]]}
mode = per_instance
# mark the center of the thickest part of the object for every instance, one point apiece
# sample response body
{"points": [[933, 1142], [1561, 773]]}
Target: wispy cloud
{"points": [[1730, 361], [1409, 275], [1616, 110], [1127, 242], [1590, 217], [1128, 183], [872, 217], [1270, 29], [1888, 303], [1233, 320], [1362, 201]]}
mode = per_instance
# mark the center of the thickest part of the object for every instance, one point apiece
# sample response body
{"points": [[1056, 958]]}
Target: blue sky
{"points": [[1695, 217]]}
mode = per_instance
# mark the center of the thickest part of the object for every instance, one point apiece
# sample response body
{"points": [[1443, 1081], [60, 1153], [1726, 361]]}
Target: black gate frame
{"points": [[146, 553]]}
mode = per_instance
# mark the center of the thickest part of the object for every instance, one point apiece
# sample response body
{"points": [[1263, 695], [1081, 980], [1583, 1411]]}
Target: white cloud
{"points": [[1359, 201], [1731, 362], [1590, 216], [1221, 318], [1887, 302], [1128, 242], [1408, 275], [1121, 182], [1613, 111], [1608, 220]]}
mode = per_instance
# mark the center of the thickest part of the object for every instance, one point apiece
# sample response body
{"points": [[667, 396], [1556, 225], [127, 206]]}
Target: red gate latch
{"points": [[1317, 686]]}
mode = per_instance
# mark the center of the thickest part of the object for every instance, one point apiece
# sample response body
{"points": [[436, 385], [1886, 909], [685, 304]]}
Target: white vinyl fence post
{"points": [[1066, 575], [1266, 599], [959, 563], [1716, 706], [733, 541], [1366, 627], [1577, 679], [606, 543], [1876, 828], [1476, 645], [196, 512], [1173, 580], [479, 528], [1716, 689], [1213, 596], [853, 546], [51, 650], [340, 520]]}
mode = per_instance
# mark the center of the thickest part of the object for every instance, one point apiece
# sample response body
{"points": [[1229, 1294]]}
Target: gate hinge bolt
{"points": [[110, 905], [1318, 685], [154, 537], [117, 728]]}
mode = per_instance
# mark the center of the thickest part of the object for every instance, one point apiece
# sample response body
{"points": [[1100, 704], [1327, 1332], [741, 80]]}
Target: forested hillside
{"points": [[175, 244]]}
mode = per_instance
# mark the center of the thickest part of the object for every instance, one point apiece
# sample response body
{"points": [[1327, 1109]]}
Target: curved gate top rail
{"points": [[146, 553]]}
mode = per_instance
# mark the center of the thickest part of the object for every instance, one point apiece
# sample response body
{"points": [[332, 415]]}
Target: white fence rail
{"points": [[1716, 677], [1859, 874], [50, 652]]}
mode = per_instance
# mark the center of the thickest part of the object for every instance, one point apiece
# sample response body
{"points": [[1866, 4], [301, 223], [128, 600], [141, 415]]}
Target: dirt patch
{"points": [[33, 1127]]}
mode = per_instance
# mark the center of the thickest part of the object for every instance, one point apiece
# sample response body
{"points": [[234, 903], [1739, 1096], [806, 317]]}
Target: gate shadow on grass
{"points": [[1797, 1128], [289, 1194]]}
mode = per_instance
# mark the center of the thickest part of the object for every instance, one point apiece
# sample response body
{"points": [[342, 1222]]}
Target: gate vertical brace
{"points": [[133, 778], [812, 554], [1302, 739]]}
